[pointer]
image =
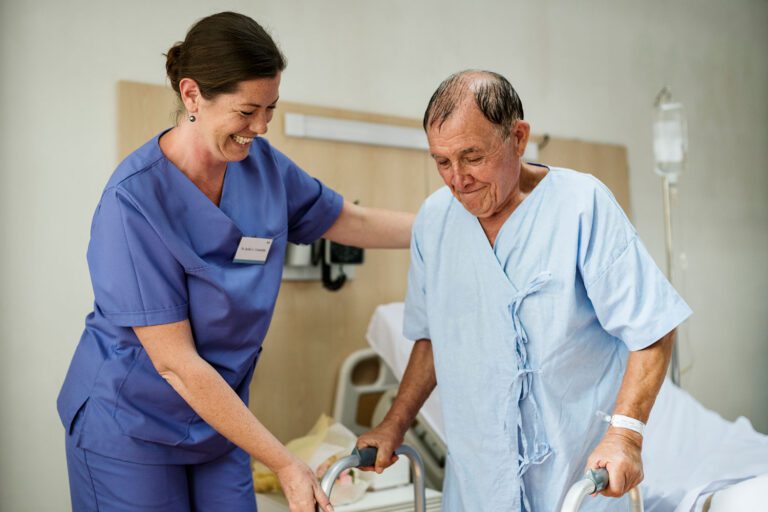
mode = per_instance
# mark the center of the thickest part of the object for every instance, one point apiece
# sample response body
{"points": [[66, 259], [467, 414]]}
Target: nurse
{"points": [[533, 305], [186, 253]]}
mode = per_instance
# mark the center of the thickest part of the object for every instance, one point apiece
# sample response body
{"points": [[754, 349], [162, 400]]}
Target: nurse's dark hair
{"points": [[222, 50], [494, 96]]}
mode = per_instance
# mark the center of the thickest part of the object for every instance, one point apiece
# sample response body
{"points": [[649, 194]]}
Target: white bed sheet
{"points": [[687, 448]]}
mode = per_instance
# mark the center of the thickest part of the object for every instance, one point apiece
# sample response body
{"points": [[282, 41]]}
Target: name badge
{"points": [[253, 250]]}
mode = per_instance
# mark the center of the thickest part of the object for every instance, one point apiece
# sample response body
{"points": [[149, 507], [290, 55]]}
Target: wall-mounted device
{"points": [[326, 261], [323, 260], [337, 256]]}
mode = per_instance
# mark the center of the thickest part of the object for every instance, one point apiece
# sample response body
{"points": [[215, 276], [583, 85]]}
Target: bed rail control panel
{"points": [[366, 458], [594, 481]]}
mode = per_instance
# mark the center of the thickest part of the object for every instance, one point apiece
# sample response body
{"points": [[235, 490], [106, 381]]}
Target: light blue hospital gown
{"points": [[530, 337]]}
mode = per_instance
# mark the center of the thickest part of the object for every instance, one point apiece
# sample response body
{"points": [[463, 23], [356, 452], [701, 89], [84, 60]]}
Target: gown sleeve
{"points": [[415, 322], [312, 206], [136, 280], [631, 297]]}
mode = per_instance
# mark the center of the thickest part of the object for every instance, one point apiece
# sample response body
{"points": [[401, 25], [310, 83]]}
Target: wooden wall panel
{"points": [[607, 162], [313, 330], [143, 110]]}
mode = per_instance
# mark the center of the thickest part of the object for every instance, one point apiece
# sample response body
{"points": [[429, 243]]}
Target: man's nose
{"points": [[459, 179]]}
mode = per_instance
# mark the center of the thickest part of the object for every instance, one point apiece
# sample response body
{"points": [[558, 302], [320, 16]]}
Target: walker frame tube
{"points": [[367, 457], [594, 481]]}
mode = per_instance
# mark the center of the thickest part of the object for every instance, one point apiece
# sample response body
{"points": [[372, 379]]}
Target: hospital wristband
{"points": [[621, 421]]}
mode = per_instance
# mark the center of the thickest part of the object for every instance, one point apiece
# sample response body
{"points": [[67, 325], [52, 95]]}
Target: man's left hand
{"points": [[619, 453]]}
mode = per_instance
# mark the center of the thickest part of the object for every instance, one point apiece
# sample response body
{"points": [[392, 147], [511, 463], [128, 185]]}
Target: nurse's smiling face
{"points": [[228, 123], [481, 168]]}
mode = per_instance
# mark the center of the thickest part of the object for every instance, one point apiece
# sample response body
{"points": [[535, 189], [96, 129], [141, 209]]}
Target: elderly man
{"points": [[534, 305]]}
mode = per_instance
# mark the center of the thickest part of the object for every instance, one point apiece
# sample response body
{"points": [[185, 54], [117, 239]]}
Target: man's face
{"points": [[478, 165]]}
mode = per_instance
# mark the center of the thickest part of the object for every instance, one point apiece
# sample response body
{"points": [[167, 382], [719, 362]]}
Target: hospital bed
{"points": [[694, 460]]}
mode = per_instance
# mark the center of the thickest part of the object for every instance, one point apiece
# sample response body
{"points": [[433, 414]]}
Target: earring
{"points": [[192, 118]]}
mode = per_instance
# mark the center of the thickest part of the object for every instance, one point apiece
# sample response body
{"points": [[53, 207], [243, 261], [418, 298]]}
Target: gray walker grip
{"points": [[367, 457], [599, 477], [594, 481]]}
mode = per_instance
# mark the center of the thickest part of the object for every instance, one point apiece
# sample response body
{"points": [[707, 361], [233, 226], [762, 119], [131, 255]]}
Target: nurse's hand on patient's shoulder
{"points": [[619, 453], [386, 437], [301, 488]]}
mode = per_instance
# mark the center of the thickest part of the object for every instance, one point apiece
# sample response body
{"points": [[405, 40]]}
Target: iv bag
{"points": [[670, 136]]}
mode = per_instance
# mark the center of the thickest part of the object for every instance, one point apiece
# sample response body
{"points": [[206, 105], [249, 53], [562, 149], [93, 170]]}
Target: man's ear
{"points": [[521, 131]]}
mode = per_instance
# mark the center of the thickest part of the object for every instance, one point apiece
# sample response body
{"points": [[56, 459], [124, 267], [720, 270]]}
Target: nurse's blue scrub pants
{"points": [[102, 484]]}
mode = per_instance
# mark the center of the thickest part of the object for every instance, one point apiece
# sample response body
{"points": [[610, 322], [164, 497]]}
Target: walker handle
{"points": [[599, 477], [595, 481], [366, 457]]}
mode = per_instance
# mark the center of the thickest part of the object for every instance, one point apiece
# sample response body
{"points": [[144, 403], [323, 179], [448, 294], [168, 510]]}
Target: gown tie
{"points": [[528, 417]]}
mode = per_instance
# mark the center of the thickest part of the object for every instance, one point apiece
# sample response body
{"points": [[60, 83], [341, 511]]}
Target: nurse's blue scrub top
{"points": [[162, 252]]}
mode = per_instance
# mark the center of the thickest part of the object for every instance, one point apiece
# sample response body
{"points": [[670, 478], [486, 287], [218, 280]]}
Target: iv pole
{"points": [[666, 193], [670, 148]]}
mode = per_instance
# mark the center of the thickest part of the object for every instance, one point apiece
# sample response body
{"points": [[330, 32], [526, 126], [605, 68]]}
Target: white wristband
{"points": [[620, 421]]}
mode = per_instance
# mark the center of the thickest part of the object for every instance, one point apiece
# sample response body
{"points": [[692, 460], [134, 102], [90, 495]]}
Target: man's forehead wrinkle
{"points": [[453, 141]]}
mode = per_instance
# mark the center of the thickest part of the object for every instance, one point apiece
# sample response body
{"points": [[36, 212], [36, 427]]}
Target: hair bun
{"points": [[221, 51], [173, 64]]}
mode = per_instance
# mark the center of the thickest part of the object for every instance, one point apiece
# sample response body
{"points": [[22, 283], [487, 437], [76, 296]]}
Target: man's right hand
{"points": [[417, 383], [386, 438]]}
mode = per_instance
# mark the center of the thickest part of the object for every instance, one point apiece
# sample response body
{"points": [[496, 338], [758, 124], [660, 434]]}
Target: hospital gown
{"points": [[530, 337]]}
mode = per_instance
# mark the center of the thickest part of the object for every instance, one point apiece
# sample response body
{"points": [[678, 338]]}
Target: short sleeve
{"points": [[631, 297], [312, 207], [136, 280], [415, 322]]}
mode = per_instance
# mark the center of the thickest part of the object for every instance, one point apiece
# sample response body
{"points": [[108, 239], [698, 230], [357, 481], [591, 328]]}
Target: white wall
{"points": [[589, 71]]}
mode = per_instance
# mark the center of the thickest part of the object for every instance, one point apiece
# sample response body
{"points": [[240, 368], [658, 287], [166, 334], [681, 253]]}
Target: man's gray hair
{"points": [[494, 96]]}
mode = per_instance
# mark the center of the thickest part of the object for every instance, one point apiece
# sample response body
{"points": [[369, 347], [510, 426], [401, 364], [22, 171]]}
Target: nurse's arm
{"points": [[619, 451], [371, 228], [171, 348], [417, 384]]}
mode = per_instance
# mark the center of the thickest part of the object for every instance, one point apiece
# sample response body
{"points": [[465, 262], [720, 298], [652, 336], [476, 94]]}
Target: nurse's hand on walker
{"points": [[619, 453], [301, 488], [171, 348]]}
